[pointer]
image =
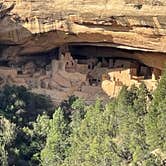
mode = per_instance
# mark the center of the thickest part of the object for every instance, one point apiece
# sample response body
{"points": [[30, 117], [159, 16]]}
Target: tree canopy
{"points": [[128, 130]]}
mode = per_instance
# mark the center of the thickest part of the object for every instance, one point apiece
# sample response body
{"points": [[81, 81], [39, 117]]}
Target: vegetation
{"points": [[129, 130], [22, 125]]}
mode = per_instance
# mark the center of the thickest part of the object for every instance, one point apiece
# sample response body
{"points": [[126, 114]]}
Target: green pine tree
{"points": [[56, 143], [92, 144], [155, 119]]}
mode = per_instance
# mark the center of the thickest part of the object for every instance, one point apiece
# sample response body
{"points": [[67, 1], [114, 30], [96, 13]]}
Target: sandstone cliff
{"points": [[100, 37], [36, 26]]}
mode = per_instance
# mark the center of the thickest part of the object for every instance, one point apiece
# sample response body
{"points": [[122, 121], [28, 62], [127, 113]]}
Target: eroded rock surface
{"points": [[113, 29], [37, 26]]}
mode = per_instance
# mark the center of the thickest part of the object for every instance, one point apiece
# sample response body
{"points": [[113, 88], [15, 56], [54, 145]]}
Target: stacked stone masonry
{"points": [[86, 78]]}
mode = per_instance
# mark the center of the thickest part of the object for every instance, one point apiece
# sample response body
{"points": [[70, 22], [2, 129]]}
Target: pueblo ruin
{"points": [[80, 47], [63, 75]]}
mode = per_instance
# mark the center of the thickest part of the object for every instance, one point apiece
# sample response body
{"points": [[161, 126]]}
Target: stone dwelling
{"points": [[128, 73], [61, 78], [86, 78]]}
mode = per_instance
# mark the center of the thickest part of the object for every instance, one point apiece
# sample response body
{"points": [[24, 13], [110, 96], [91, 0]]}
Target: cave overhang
{"points": [[151, 59]]}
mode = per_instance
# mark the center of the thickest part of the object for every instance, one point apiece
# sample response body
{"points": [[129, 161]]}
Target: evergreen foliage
{"points": [[21, 106], [155, 119], [127, 131], [56, 143], [7, 135]]}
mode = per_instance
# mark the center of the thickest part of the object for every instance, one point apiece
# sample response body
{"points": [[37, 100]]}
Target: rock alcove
{"points": [[80, 47]]}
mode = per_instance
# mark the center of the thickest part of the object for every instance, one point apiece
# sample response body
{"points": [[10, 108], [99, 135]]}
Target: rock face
{"points": [[38, 26], [130, 29]]}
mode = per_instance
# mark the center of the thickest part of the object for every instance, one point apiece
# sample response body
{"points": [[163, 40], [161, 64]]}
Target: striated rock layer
{"points": [[131, 29], [36, 26]]}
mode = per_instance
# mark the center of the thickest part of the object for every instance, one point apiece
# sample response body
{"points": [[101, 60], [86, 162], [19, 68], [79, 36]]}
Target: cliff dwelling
{"points": [[81, 70], [73, 49]]}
